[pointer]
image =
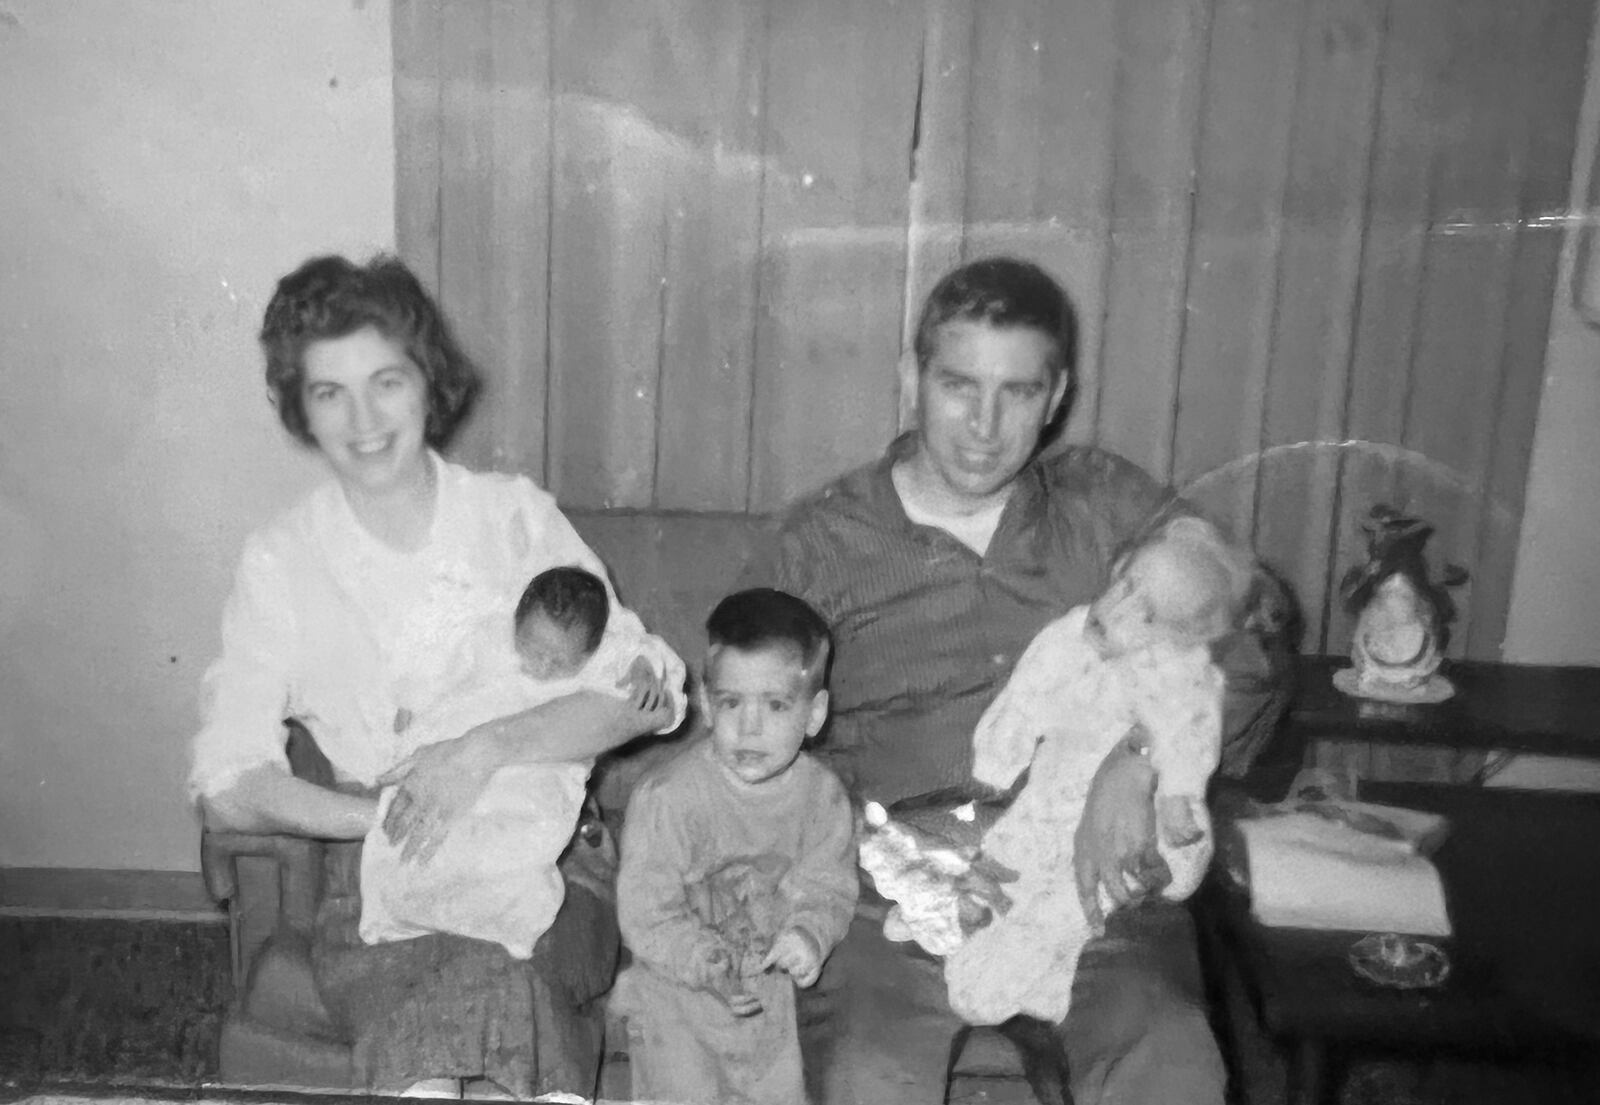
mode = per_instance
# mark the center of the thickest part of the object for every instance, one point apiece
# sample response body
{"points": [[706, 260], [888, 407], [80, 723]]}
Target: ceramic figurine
{"points": [[1403, 615]]}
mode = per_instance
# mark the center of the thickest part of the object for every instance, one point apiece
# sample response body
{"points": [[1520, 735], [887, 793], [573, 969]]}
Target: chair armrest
{"points": [[267, 881], [297, 858]]}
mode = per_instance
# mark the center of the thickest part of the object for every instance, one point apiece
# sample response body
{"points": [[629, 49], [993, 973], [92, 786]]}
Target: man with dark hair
{"points": [[935, 566]]}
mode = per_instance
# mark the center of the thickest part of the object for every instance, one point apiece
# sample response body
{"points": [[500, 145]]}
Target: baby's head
{"points": [[1181, 584], [764, 690], [559, 622]]}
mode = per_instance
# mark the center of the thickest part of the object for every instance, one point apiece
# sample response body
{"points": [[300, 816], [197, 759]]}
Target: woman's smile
{"points": [[366, 406]]}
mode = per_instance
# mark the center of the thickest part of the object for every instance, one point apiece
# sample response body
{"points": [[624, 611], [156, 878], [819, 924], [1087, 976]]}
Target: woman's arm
{"points": [[579, 726], [441, 782], [266, 799], [239, 771]]}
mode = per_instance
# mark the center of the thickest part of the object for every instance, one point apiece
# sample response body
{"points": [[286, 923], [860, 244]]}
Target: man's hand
{"points": [[1115, 845], [643, 687], [437, 785], [795, 953], [1178, 817]]}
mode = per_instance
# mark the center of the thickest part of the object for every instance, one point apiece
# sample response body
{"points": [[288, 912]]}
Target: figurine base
{"points": [[1435, 688]]}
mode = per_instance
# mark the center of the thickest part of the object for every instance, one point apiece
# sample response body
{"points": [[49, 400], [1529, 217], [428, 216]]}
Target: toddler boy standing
{"points": [[738, 871]]}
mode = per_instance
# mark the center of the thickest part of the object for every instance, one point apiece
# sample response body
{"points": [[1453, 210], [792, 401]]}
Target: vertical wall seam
{"points": [[914, 187], [662, 295], [762, 127], [547, 460], [1353, 326], [438, 152], [1277, 236], [1109, 264], [1201, 87]]}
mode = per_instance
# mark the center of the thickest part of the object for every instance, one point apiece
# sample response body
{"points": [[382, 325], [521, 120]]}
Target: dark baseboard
{"points": [[83, 891]]}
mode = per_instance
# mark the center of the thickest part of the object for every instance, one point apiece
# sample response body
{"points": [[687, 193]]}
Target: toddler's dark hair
{"points": [[762, 618], [572, 598]]}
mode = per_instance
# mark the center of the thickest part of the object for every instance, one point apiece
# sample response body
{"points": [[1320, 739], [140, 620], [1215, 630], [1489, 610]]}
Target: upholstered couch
{"points": [[670, 568]]}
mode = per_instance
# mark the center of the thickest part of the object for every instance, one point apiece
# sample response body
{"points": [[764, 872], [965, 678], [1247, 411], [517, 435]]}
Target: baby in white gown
{"points": [[494, 877], [1133, 665]]}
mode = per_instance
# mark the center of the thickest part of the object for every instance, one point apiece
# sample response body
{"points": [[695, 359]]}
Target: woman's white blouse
{"points": [[329, 625]]}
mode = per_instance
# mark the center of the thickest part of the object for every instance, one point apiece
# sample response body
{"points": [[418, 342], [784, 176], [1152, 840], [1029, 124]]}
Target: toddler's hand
{"points": [[795, 953], [726, 985], [982, 893]]}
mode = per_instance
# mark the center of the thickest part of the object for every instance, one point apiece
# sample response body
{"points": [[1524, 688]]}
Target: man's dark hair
{"points": [[572, 598], [1001, 292], [332, 297], [763, 618]]}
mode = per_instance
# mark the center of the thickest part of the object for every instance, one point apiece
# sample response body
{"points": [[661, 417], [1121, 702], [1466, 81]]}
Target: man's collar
{"points": [[884, 501]]}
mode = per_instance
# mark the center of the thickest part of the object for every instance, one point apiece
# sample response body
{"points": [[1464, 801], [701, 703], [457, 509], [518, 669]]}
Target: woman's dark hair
{"points": [[570, 597], [1002, 292], [332, 297]]}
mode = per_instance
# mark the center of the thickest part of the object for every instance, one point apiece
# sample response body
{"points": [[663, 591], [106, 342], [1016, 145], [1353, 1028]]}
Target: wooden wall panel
{"points": [[1310, 242], [1243, 157], [1324, 206], [414, 29], [472, 204], [506, 261], [1393, 270], [713, 257], [937, 197], [1039, 176], [1461, 321], [616, 151], [841, 90], [1161, 51], [468, 111]]}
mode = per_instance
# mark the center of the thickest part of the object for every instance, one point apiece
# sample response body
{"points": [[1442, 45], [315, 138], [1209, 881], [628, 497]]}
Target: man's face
{"points": [[761, 708], [984, 397], [549, 650]]}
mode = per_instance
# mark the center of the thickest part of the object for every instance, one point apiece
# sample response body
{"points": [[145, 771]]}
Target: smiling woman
{"points": [[358, 609], [366, 403]]}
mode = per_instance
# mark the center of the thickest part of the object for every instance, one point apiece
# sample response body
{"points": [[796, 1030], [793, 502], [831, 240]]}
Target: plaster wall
{"points": [[1555, 597], [161, 163], [1555, 593]]}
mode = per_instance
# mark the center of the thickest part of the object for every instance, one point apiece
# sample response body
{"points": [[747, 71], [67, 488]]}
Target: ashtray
{"points": [[1399, 962]]}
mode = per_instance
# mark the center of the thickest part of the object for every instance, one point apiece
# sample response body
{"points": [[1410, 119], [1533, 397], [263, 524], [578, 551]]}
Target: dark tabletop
{"points": [[1521, 873], [1517, 707]]}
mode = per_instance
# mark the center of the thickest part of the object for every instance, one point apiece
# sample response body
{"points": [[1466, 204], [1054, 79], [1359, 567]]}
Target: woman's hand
{"points": [[644, 689], [437, 785], [1115, 845]]}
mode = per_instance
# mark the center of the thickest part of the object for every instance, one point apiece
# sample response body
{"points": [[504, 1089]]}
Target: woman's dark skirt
{"points": [[444, 1006]]}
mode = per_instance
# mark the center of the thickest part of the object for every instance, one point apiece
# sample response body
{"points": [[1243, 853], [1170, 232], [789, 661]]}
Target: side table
{"points": [[1516, 707], [1522, 883]]}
